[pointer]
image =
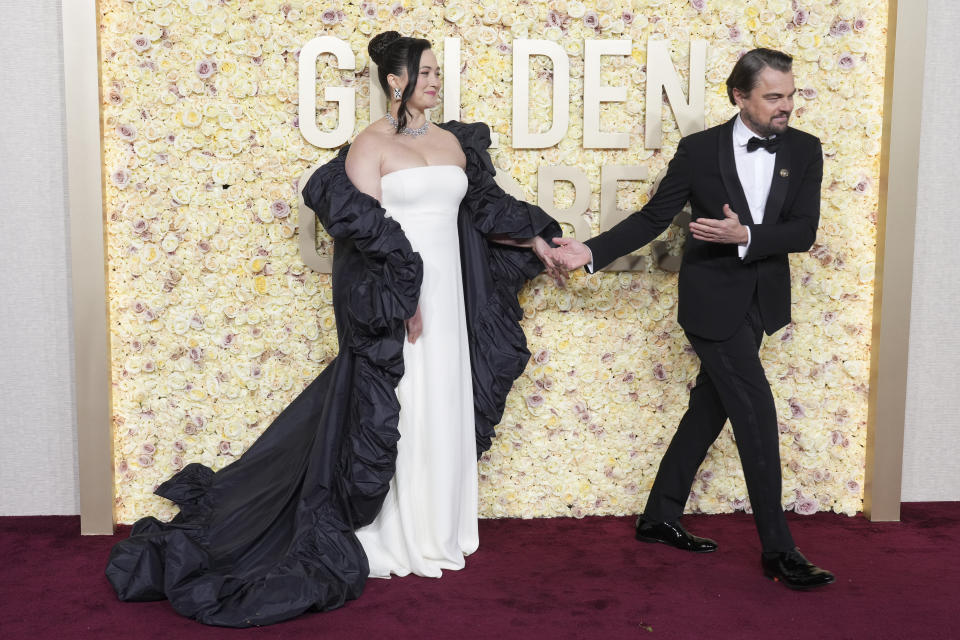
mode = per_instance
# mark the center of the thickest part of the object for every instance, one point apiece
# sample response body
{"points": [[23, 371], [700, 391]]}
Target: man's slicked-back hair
{"points": [[746, 72]]}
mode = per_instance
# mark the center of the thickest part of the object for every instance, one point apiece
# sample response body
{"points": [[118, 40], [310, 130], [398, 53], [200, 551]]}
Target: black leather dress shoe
{"points": [[795, 571], [673, 534]]}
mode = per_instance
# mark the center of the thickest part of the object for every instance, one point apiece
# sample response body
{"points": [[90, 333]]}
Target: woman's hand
{"points": [[550, 261], [548, 256], [414, 326]]}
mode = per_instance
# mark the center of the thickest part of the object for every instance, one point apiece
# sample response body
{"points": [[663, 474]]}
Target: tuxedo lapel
{"points": [[779, 182], [728, 172]]}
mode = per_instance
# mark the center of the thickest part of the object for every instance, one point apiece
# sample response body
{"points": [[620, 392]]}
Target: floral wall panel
{"points": [[217, 324]]}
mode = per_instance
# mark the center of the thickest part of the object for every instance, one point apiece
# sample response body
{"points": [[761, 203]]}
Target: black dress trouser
{"points": [[731, 383]]}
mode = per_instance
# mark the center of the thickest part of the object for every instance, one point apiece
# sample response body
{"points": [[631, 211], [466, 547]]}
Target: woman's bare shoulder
{"points": [[369, 143], [447, 137], [451, 144]]}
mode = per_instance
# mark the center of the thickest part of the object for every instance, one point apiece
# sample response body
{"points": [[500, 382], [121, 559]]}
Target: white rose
{"points": [[454, 13], [170, 243]]}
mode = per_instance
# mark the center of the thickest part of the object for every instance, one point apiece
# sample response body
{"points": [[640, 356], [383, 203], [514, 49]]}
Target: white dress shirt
{"points": [[755, 170]]}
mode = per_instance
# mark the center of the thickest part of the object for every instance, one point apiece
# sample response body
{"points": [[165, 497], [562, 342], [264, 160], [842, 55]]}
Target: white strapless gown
{"points": [[429, 517]]}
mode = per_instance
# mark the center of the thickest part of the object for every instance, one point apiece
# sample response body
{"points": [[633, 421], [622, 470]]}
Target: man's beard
{"points": [[778, 126], [771, 128]]}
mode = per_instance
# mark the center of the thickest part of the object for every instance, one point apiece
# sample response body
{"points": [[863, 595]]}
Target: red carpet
{"points": [[559, 578]]}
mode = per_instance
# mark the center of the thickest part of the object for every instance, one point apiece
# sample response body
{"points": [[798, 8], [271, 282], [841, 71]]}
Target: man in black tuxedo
{"points": [[754, 187]]}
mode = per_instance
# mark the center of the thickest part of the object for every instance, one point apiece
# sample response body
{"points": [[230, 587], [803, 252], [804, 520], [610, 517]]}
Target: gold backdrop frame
{"points": [[906, 38]]}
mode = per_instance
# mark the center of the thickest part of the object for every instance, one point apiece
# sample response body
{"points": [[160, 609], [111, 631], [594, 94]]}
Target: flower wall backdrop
{"points": [[217, 325]]}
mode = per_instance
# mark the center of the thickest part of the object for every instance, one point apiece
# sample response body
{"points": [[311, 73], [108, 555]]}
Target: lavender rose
{"points": [[839, 28], [280, 209], [591, 20], [127, 132], [120, 178], [140, 43], [846, 61], [806, 506], [796, 410], [330, 17], [206, 68]]}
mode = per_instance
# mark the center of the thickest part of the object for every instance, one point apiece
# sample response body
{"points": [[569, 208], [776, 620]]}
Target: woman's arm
{"points": [[363, 168], [499, 218], [547, 255], [363, 165]]}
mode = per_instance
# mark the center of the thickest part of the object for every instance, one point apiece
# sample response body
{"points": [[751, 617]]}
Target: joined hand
{"points": [[571, 253], [551, 263]]}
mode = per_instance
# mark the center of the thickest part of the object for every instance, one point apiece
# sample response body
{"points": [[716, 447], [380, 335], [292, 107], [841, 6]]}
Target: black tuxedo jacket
{"points": [[716, 286]]}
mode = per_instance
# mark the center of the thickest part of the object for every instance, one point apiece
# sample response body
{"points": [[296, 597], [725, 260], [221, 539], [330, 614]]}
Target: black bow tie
{"points": [[770, 144]]}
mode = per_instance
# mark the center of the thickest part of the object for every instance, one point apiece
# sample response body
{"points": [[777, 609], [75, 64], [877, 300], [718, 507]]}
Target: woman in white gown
{"points": [[371, 470], [428, 521]]}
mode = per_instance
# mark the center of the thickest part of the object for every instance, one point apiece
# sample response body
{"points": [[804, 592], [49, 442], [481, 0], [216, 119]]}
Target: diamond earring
{"points": [[396, 93]]}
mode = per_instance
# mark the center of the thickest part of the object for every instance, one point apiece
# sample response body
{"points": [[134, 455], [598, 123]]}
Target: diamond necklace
{"points": [[407, 131]]}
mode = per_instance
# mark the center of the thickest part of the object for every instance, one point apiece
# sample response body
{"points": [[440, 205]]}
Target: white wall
{"points": [[932, 431], [38, 467]]}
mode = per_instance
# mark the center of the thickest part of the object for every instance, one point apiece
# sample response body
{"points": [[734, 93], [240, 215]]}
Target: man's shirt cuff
{"points": [[743, 248]]}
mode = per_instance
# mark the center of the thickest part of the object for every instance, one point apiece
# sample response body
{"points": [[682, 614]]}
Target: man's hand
{"points": [[572, 253], [414, 326], [726, 231]]}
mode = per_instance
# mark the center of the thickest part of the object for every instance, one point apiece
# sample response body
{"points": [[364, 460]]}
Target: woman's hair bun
{"points": [[378, 46]]}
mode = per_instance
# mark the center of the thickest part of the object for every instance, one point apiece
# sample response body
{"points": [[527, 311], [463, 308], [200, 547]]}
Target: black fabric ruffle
{"points": [[377, 277], [493, 275], [272, 535]]}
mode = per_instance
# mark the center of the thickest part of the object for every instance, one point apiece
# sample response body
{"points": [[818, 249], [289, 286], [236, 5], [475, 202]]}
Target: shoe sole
{"points": [[672, 546]]}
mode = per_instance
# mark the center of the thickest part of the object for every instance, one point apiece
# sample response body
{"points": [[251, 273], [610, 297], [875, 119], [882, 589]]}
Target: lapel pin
{"points": [[784, 173]]}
